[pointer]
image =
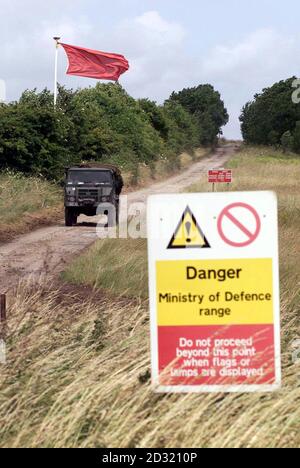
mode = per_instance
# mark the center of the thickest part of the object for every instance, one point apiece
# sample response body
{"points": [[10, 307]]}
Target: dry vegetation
{"points": [[78, 364], [144, 174], [26, 203]]}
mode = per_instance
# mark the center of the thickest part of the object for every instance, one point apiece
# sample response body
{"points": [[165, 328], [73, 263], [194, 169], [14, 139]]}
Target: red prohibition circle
{"points": [[252, 236]]}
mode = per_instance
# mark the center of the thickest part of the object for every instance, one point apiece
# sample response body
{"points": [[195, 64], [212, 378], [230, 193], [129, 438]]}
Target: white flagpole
{"points": [[56, 69]]}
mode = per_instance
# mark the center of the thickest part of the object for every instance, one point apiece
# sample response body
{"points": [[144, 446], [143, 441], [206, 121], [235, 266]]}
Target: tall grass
{"points": [[78, 376], [26, 202], [78, 355], [20, 194], [115, 265]]}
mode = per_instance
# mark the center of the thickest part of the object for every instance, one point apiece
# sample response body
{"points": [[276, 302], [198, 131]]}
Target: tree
{"points": [[205, 104], [267, 119], [156, 117], [183, 131], [111, 122], [33, 137]]}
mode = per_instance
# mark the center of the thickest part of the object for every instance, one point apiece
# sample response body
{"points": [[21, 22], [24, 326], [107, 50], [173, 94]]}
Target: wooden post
{"points": [[3, 308], [3, 328], [3, 325]]}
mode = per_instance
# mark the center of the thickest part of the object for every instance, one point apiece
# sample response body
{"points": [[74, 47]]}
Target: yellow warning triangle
{"points": [[188, 234]]}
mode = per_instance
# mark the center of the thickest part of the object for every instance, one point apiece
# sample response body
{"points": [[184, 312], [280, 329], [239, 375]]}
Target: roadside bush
{"points": [[35, 140], [101, 123]]}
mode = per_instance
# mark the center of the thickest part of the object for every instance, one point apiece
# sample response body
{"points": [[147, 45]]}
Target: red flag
{"points": [[94, 63]]}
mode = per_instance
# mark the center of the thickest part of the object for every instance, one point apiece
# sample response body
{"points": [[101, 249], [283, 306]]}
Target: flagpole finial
{"points": [[57, 39]]}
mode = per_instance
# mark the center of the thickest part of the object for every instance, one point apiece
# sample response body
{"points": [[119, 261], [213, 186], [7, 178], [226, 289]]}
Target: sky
{"points": [[240, 47]]}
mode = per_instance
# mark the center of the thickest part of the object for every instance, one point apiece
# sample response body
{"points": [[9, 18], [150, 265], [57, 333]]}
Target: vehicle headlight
{"points": [[71, 190], [106, 191]]}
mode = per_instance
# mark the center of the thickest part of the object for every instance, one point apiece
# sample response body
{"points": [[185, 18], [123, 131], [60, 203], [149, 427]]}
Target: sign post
{"points": [[214, 292]]}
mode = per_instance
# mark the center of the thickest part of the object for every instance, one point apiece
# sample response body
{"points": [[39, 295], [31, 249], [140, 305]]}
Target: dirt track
{"points": [[46, 251]]}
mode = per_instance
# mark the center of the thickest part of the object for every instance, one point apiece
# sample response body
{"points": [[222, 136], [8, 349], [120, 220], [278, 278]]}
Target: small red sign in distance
{"points": [[216, 176]]}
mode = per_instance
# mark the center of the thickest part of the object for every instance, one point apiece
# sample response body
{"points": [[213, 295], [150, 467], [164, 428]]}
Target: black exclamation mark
{"points": [[188, 227]]}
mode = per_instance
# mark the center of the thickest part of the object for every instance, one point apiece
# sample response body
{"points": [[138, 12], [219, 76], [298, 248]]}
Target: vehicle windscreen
{"points": [[90, 177]]}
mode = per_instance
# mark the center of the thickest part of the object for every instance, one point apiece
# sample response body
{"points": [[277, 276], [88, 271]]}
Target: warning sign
{"points": [[188, 234], [215, 307], [216, 176]]}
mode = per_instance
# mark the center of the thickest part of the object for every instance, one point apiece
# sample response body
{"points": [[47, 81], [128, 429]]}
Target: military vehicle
{"points": [[89, 185]]}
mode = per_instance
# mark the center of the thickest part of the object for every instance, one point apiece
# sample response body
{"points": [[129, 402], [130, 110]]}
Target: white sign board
{"points": [[214, 292]]}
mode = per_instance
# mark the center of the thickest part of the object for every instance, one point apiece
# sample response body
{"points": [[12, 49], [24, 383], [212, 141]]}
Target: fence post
{"points": [[2, 308], [3, 316], [3, 328]]}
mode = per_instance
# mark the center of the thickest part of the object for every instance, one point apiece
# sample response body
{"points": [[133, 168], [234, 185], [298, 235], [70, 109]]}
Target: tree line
{"points": [[104, 123]]}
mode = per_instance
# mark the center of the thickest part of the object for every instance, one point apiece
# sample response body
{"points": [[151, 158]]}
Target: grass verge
{"points": [[26, 203]]}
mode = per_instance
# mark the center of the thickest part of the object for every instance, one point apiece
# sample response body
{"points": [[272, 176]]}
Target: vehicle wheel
{"points": [[70, 217]]}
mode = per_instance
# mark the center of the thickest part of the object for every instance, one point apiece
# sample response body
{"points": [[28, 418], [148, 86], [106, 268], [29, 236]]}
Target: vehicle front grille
{"points": [[88, 194]]}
